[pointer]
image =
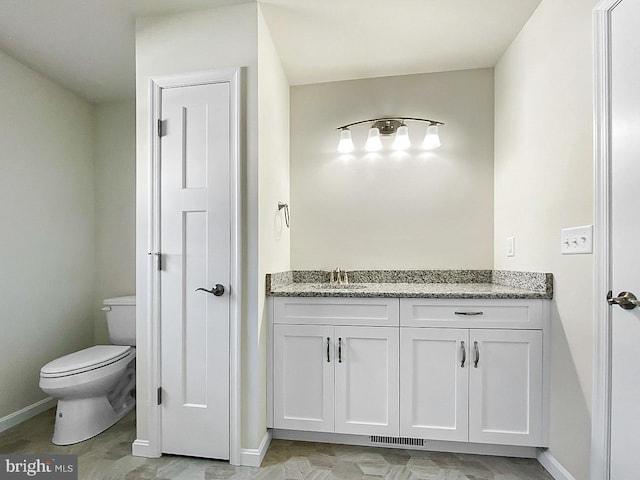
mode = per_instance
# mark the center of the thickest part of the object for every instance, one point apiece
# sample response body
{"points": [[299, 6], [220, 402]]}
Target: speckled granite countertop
{"points": [[487, 284]]}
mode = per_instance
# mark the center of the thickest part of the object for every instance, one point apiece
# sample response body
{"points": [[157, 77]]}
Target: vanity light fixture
{"points": [[402, 141], [431, 139], [373, 140], [389, 126], [345, 145]]}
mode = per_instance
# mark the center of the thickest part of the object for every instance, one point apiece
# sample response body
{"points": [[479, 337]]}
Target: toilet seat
{"points": [[85, 360]]}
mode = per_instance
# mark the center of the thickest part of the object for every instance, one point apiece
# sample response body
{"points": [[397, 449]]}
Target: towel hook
{"points": [[286, 212]]}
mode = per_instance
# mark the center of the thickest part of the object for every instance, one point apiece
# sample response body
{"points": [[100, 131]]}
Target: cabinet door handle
{"points": [[328, 345], [477, 350], [464, 354], [469, 313], [339, 350]]}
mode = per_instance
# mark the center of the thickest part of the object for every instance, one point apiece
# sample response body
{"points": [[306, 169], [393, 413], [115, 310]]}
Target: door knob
{"points": [[218, 290], [626, 300]]}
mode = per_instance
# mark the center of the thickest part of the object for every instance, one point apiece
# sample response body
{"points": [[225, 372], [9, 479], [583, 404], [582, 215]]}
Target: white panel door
{"points": [[505, 387], [303, 379], [625, 235], [434, 379], [195, 246], [367, 380]]}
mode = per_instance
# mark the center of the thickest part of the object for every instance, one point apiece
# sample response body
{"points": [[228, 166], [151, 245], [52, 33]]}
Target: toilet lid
{"points": [[127, 300], [85, 360]]}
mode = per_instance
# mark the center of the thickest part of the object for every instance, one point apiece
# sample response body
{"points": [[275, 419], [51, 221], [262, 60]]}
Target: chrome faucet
{"points": [[339, 277]]}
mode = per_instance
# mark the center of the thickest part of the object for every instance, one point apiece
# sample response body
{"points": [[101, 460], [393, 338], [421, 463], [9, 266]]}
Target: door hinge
{"points": [[159, 395], [162, 128], [158, 257]]}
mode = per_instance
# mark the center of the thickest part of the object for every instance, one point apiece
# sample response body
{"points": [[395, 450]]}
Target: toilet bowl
{"points": [[95, 387]]}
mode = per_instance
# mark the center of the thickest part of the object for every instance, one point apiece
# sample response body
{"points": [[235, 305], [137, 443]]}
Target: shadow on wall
{"points": [[570, 414]]}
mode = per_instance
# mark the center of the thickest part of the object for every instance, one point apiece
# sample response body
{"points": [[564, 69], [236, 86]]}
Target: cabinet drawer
{"points": [[471, 313], [337, 311]]}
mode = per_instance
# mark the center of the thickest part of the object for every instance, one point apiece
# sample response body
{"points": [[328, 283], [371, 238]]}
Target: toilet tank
{"points": [[121, 319]]}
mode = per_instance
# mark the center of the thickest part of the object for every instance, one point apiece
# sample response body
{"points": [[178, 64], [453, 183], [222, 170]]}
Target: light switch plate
{"points": [[511, 246], [576, 240]]}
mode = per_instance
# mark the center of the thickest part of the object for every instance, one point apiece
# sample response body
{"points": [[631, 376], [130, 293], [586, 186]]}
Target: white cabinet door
{"points": [[366, 380], [434, 365], [303, 377], [505, 388]]}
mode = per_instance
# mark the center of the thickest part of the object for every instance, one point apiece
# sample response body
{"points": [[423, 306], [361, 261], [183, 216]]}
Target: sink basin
{"points": [[337, 286]]}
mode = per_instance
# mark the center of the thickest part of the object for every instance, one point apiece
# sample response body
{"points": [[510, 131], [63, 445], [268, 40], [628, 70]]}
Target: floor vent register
{"points": [[416, 442]]}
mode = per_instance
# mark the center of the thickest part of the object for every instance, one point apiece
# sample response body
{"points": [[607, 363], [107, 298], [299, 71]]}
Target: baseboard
{"points": [[142, 448], [252, 457], [249, 457], [429, 445], [553, 466], [26, 413]]}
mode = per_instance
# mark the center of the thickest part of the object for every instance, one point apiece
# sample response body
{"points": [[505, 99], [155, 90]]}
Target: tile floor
{"points": [[108, 457]]}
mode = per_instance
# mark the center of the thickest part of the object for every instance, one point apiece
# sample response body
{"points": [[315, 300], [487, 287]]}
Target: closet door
{"points": [[194, 242]]}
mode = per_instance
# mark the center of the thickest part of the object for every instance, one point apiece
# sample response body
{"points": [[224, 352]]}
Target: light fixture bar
{"points": [[432, 122], [388, 126]]}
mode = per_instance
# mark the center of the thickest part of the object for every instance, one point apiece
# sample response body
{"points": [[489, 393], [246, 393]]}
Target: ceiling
{"points": [[328, 40], [88, 45]]}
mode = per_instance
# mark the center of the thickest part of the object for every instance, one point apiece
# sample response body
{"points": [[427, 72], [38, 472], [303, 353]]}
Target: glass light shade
{"points": [[345, 145], [373, 140], [431, 139], [402, 141]]}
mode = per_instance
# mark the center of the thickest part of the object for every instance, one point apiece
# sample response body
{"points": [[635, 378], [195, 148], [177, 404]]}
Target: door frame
{"points": [[232, 76], [601, 409]]}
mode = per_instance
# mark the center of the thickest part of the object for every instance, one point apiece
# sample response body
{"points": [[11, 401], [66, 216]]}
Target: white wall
{"points": [[47, 241], [185, 43], [273, 171], [393, 209], [115, 183], [543, 178]]}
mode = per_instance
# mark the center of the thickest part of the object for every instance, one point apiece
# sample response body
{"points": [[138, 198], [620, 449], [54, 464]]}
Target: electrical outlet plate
{"points": [[576, 240], [511, 246]]}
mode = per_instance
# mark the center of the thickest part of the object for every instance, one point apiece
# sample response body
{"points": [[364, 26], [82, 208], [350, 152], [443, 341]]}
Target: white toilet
{"points": [[95, 387]]}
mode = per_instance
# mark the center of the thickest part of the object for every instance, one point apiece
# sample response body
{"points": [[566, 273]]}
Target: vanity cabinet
{"points": [[476, 385], [505, 389], [339, 372], [367, 381], [462, 370], [473, 370], [434, 383], [303, 377]]}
